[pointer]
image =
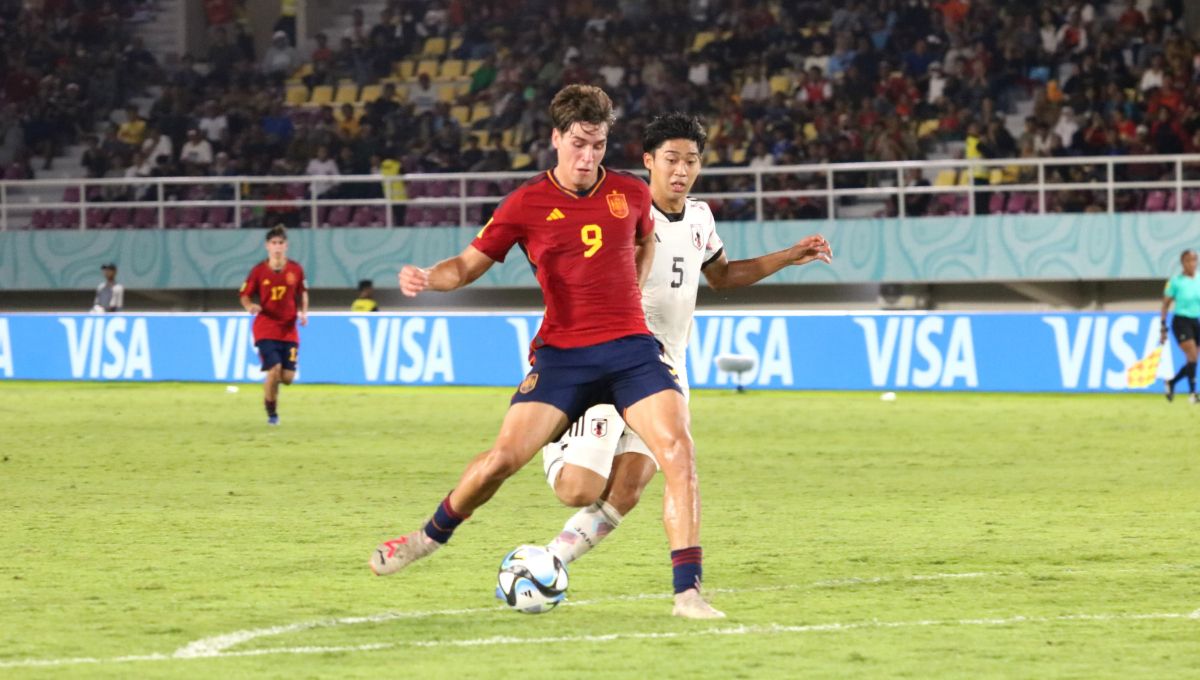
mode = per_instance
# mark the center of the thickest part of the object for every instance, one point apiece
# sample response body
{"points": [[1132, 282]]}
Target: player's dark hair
{"points": [[674, 125], [581, 104], [278, 230], [365, 284], [1185, 253]]}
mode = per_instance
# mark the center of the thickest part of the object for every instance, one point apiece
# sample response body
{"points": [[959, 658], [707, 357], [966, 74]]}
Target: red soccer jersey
{"points": [[278, 294], [582, 250]]}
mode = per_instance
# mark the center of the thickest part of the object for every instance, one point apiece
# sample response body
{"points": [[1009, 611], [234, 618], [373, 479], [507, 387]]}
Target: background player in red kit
{"points": [[590, 237], [282, 294]]}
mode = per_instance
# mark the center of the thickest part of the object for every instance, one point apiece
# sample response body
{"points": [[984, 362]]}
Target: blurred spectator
{"points": [[280, 60]]}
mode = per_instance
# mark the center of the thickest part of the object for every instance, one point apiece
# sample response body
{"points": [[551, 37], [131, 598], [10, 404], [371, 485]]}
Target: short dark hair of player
{"points": [[674, 125], [365, 284], [581, 104], [277, 231], [1184, 254]]}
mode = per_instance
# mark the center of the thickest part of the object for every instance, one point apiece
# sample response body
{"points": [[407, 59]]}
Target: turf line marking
{"points": [[768, 629], [218, 644]]}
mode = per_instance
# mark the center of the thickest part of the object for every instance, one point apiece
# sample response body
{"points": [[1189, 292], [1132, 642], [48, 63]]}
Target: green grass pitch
{"points": [[163, 531]]}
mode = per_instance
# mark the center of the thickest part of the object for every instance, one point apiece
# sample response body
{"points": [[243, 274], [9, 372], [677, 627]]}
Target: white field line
{"points": [[769, 629], [218, 644]]}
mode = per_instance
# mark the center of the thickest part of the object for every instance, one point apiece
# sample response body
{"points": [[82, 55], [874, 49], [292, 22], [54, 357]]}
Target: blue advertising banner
{"points": [[1007, 352]]}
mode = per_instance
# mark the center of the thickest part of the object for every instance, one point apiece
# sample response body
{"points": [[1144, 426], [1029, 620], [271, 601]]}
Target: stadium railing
{"points": [[1028, 186]]}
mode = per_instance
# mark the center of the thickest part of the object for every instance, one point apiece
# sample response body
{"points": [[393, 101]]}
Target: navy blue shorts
{"points": [[620, 372], [278, 353]]}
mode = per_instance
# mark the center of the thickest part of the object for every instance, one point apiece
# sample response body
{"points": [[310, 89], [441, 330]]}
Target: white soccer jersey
{"points": [[681, 250]]}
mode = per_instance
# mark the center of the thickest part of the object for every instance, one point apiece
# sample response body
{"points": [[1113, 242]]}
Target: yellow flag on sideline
{"points": [[1145, 371]]}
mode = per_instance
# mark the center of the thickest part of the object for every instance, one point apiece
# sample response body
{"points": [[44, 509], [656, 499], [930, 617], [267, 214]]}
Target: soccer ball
{"points": [[532, 580]]}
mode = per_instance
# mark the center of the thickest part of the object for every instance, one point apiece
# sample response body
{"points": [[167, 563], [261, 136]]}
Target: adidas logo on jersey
{"points": [[555, 214]]}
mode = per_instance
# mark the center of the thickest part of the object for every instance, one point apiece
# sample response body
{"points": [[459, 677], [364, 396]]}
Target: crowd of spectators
{"points": [[776, 83]]}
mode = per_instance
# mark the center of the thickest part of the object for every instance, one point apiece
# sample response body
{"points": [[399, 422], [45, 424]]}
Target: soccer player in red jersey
{"points": [[589, 235], [282, 300]]}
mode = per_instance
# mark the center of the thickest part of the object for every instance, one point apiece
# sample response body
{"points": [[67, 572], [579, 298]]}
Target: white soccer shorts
{"points": [[594, 440]]}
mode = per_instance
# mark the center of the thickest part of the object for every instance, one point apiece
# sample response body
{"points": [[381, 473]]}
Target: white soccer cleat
{"points": [[690, 604], [391, 556]]}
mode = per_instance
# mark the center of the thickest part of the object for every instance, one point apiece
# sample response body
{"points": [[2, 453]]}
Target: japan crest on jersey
{"points": [[697, 237], [599, 427], [617, 205]]}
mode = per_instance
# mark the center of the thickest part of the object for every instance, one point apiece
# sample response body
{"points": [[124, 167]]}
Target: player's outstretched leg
{"points": [[271, 393], [526, 428]]}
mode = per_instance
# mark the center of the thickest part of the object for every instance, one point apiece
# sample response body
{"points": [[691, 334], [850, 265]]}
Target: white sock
{"points": [[584, 530]]}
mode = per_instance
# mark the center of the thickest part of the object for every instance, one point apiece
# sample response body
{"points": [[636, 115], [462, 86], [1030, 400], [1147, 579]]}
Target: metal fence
{"points": [[820, 191]]}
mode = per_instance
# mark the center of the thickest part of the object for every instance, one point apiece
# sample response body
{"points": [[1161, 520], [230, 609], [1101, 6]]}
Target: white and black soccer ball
{"points": [[532, 580]]}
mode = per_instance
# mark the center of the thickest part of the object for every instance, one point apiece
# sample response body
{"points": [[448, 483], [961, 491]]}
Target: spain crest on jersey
{"points": [[599, 427], [697, 237], [617, 205], [528, 383], [291, 279]]}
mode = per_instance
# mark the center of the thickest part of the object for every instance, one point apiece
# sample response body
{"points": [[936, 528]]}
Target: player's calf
{"points": [[577, 487]]}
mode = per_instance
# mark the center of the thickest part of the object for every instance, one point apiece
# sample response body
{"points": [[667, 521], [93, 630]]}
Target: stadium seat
{"points": [[446, 93], [428, 66], [481, 111], [434, 47], [738, 156], [191, 217], [456, 42], [219, 217], [41, 219], [370, 93], [452, 69], [364, 217], [996, 202], [297, 95], [702, 39], [473, 66], [406, 70], [322, 95], [96, 218], [145, 218], [67, 218], [1156, 201], [1192, 201], [781, 83], [462, 114], [347, 93], [945, 178], [522, 161], [1018, 203], [301, 73]]}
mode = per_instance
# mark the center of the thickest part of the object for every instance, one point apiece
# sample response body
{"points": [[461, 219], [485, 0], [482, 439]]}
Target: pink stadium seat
{"points": [[145, 218], [97, 218], [219, 217], [1018, 202], [419, 217], [1192, 200], [996, 202], [67, 218], [417, 189], [339, 216], [119, 218], [191, 217], [41, 219], [247, 216], [71, 194], [1171, 201], [171, 218], [1156, 201], [363, 216], [474, 214]]}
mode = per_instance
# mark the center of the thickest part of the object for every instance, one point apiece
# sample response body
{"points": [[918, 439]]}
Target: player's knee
{"points": [[286, 377], [502, 463], [677, 450], [576, 494]]}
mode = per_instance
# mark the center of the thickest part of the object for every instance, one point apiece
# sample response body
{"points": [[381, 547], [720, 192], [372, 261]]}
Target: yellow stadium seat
{"points": [[462, 87], [507, 138], [406, 69], [296, 95], [739, 156], [945, 178], [711, 156], [452, 69], [402, 92], [370, 93], [321, 95], [996, 176], [347, 93], [521, 161], [702, 39], [461, 113], [928, 127], [300, 73], [429, 66], [473, 66], [456, 42], [434, 47], [781, 83], [445, 93], [810, 132], [481, 111], [482, 136]]}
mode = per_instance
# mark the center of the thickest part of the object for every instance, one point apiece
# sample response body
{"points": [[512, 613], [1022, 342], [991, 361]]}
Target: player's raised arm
{"points": [[723, 274], [449, 274]]}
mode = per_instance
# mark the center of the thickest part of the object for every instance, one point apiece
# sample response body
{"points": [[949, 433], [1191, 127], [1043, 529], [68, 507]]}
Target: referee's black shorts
{"points": [[1185, 328]]}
